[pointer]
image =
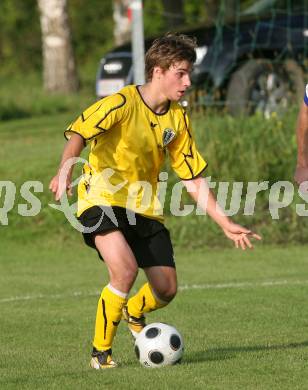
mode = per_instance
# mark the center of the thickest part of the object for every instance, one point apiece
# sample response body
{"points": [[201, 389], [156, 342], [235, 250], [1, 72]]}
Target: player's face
{"points": [[176, 80]]}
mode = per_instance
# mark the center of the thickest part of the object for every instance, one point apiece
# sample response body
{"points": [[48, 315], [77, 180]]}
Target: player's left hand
{"points": [[240, 235]]}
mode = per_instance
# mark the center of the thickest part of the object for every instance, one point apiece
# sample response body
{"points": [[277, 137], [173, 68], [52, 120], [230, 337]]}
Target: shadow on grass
{"points": [[215, 354]]}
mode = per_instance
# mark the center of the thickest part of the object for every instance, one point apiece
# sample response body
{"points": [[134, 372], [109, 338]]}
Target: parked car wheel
{"points": [[262, 86]]}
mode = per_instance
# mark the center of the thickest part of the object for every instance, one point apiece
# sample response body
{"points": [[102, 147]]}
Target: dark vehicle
{"points": [[257, 63]]}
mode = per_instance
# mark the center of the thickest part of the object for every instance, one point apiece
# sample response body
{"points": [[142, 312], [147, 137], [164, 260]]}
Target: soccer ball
{"points": [[158, 345]]}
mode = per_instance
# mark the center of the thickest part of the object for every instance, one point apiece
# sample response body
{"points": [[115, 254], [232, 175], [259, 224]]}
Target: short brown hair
{"points": [[167, 50]]}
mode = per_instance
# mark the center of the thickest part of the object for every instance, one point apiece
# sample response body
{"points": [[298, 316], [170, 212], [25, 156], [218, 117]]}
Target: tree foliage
{"points": [[20, 37], [91, 25], [20, 32]]}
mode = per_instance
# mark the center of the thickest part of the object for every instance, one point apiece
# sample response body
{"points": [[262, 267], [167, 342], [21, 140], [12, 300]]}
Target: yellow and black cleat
{"points": [[102, 359]]}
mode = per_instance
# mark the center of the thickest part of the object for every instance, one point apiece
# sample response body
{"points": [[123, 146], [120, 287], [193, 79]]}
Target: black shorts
{"points": [[149, 239]]}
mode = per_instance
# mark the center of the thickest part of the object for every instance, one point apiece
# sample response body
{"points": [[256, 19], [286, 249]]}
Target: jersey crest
{"points": [[168, 136]]}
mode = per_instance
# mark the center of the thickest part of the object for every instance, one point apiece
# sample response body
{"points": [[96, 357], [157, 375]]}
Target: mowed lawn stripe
{"points": [[186, 287]]}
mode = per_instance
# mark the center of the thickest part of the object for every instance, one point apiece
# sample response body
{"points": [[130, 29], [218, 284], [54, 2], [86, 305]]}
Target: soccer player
{"points": [[130, 133], [301, 172]]}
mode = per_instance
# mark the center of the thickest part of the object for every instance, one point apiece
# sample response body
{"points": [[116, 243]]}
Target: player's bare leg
{"points": [[163, 281], [155, 294]]}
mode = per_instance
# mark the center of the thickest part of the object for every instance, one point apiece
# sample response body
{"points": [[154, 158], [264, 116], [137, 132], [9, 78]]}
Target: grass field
{"points": [[243, 316]]}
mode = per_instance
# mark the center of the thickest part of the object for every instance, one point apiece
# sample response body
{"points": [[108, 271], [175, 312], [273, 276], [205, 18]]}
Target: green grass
{"points": [[239, 332], [24, 97]]}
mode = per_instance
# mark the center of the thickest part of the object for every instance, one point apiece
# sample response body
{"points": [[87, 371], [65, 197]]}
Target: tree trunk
{"points": [[59, 69], [174, 12], [122, 24]]}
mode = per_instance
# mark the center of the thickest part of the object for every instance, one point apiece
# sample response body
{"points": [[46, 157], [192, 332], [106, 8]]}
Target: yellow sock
{"points": [[108, 317], [144, 301]]}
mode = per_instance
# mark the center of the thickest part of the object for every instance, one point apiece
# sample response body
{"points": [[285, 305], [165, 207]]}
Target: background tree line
{"points": [[92, 27]]}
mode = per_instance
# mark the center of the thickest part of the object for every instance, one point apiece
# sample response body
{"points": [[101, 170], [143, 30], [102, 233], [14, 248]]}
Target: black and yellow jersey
{"points": [[128, 146]]}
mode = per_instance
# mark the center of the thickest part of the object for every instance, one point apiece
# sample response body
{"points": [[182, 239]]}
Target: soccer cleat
{"points": [[135, 325], [102, 359]]}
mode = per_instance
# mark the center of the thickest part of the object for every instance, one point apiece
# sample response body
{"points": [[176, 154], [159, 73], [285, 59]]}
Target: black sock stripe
{"points": [[143, 303], [105, 317]]}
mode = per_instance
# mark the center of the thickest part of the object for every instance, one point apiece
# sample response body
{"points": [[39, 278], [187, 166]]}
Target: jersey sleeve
{"points": [[186, 161], [98, 118], [306, 95]]}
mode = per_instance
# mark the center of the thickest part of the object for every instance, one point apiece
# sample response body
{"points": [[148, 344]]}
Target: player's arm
{"points": [[93, 122], [301, 172], [199, 190], [72, 148]]}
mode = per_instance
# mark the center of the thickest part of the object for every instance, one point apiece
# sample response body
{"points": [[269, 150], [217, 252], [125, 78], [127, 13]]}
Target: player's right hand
{"points": [[59, 188]]}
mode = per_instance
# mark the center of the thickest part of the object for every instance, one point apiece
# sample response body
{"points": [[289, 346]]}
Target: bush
{"points": [[245, 150]]}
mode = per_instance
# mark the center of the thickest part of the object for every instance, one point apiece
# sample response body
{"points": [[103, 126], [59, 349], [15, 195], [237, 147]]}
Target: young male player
{"points": [[130, 133], [301, 172]]}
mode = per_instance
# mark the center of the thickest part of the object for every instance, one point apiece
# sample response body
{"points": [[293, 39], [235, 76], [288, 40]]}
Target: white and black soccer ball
{"points": [[158, 345]]}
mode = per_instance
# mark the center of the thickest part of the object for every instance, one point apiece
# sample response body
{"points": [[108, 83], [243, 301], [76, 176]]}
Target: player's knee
{"points": [[168, 292], [126, 276], [129, 274]]}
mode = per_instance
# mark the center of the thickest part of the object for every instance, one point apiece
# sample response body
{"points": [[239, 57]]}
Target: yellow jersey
{"points": [[129, 142]]}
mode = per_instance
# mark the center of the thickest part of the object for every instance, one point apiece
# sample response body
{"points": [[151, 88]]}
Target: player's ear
{"points": [[157, 72]]}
